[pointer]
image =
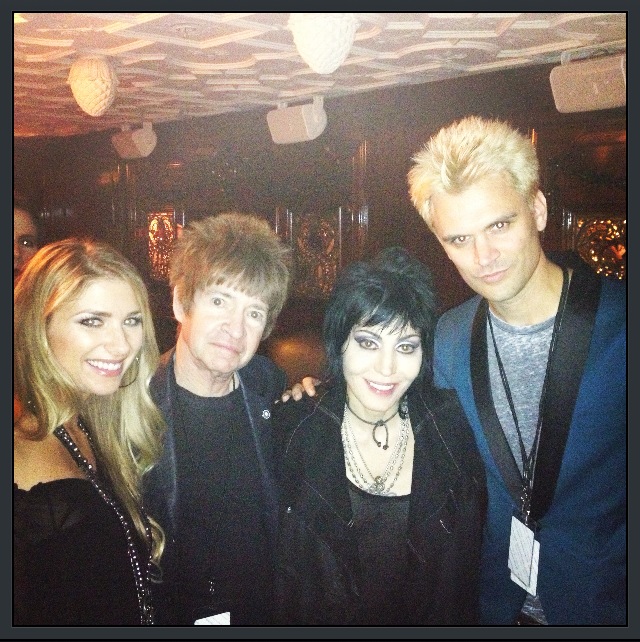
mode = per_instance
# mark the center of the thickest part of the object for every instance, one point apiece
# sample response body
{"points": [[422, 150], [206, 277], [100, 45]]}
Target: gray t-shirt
{"points": [[524, 352]]}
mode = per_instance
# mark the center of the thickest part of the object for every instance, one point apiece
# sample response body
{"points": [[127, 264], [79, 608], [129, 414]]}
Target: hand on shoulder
{"points": [[308, 386]]}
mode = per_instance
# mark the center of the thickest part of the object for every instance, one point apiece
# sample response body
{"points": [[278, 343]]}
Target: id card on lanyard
{"points": [[524, 553]]}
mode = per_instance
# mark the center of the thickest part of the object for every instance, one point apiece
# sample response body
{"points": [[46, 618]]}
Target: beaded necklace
{"points": [[141, 577], [378, 487]]}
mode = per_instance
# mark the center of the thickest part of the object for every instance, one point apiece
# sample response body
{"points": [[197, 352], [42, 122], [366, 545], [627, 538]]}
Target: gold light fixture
{"points": [[93, 82], [323, 40], [163, 231]]}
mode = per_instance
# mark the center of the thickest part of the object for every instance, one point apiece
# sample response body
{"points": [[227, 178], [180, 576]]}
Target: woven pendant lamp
{"points": [[323, 40], [93, 82]]}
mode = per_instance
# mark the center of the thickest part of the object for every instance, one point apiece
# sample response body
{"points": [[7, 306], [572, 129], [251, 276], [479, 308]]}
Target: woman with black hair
{"points": [[383, 489]]}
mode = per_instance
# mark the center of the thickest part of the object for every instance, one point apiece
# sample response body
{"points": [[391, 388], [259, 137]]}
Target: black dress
{"points": [[72, 558]]}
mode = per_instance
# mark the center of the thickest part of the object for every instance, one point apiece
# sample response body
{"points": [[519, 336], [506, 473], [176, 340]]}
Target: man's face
{"points": [[222, 330], [492, 236]]}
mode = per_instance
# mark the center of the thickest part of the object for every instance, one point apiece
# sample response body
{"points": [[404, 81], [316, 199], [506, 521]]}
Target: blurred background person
{"points": [[383, 488], [214, 490], [85, 430], [25, 238]]}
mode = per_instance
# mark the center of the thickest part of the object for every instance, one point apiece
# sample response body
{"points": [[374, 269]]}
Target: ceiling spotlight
{"points": [[93, 82], [323, 40], [299, 123], [136, 143]]}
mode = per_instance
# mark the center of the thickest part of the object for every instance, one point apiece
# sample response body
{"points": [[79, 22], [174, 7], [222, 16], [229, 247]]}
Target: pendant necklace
{"points": [[376, 425]]}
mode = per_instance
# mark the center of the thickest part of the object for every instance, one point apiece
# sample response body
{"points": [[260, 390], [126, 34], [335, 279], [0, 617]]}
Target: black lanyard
{"points": [[529, 461]]}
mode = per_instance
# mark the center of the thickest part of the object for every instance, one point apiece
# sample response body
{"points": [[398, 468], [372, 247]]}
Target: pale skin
{"points": [[492, 235], [219, 335], [94, 338], [379, 365]]}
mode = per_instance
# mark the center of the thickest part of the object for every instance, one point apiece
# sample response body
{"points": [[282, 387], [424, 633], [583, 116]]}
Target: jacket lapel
{"points": [[498, 444], [258, 411], [574, 337], [572, 346], [160, 487]]}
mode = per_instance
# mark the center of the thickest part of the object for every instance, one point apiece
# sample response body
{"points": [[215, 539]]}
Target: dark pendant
{"points": [[386, 428]]}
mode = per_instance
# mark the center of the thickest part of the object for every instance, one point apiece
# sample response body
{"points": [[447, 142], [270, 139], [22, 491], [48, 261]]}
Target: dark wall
{"points": [[207, 165]]}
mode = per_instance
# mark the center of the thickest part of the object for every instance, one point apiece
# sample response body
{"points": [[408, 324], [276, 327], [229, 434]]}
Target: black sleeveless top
{"points": [[77, 558], [71, 565]]}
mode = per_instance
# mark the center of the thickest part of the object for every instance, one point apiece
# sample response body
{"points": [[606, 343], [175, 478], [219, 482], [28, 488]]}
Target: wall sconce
{"points": [[93, 82], [135, 144], [323, 40]]}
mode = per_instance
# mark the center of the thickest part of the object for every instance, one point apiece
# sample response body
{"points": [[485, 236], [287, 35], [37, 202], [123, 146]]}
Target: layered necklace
{"points": [[375, 485], [141, 570]]}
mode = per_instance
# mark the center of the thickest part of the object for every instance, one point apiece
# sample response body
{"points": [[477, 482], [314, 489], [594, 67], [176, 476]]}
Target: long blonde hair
{"points": [[127, 427]]}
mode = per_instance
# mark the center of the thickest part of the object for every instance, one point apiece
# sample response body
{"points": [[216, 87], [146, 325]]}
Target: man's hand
{"points": [[308, 385]]}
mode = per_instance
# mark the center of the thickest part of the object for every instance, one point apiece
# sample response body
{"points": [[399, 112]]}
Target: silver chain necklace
{"points": [[378, 485]]}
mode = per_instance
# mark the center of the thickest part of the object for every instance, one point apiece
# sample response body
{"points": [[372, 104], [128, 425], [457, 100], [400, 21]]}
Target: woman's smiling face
{"points": [[96, 336], [379, 365]]}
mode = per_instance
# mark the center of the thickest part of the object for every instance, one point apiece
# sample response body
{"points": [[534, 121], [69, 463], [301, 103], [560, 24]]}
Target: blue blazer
{"points": [[582, 567]]}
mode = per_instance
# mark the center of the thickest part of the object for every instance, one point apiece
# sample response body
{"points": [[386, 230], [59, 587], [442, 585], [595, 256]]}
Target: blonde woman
{"points": [[85, 430]]}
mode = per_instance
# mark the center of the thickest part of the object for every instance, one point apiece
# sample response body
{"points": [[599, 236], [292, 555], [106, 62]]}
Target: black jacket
{"points": [[261, 382], [317, 558]]}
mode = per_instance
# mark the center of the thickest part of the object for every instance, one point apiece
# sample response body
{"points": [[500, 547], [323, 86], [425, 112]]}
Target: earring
{"points": [[403, 411], [137, 362]]}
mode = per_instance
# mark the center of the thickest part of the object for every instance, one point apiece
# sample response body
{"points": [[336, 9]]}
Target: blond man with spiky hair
{"points": [[538, 359]]}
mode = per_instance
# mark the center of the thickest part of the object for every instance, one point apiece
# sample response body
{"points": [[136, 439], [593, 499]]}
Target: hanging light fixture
{"points": [[93, 82], [323, 40]]}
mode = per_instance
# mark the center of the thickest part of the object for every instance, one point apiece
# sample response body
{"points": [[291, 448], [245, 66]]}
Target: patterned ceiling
{"points": [[175, 66]]}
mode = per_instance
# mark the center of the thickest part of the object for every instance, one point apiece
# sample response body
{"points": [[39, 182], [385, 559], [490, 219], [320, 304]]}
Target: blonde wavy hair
{"points": [[466, 151], [237, 250], [127, 427]]}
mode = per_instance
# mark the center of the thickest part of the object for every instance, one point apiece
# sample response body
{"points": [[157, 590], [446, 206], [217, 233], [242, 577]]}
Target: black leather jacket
{"points": [[317, 576]]}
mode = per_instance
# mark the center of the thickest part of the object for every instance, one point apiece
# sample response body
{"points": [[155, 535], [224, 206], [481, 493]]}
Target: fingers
{"points": [[309, 384], [298, 390], [295, 393]]}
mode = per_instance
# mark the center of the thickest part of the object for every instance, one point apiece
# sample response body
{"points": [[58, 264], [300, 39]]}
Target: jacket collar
{"points": [[434, 468]]}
